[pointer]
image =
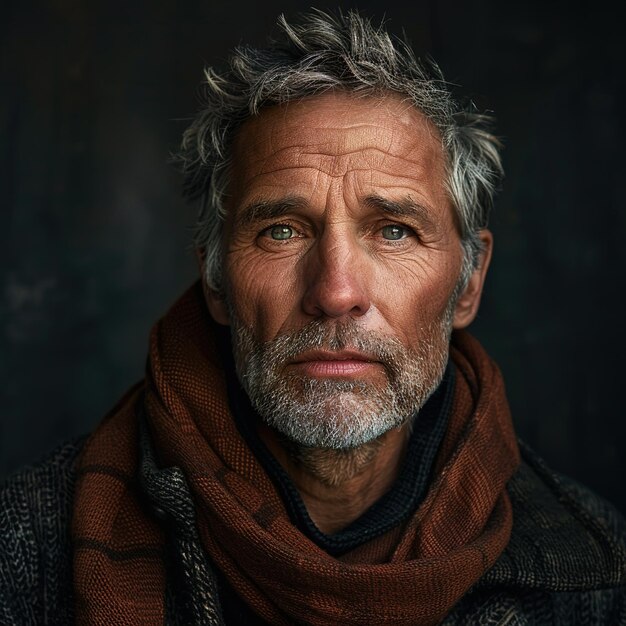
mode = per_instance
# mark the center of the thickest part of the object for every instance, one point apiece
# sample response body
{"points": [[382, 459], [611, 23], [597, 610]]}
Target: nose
{"points": [[336, 279]]}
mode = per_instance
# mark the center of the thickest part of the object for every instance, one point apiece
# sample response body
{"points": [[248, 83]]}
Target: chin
{"points": [[342, 421]]}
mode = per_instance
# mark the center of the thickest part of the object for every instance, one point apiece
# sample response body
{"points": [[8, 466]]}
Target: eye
{"points": [[393, 232], [280, 232]]}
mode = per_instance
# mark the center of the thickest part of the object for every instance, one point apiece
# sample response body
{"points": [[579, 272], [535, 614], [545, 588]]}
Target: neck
{"points": [[338, 486]]}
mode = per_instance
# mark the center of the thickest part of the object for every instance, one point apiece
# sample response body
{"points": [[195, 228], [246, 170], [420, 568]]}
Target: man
{"points": [[317, 439]]}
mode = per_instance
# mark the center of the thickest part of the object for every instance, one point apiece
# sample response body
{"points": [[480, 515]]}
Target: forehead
{"points": [[383, 142]]}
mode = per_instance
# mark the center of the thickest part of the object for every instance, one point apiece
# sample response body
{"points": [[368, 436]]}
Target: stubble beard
{"points": [[341, 415]]}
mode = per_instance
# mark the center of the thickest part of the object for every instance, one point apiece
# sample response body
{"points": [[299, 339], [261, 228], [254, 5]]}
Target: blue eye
{"points": [[281, 232], [393, 232]]}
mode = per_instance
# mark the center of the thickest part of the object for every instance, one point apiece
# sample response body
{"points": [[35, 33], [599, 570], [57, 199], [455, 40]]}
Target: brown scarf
{"points": [[413, 575]]}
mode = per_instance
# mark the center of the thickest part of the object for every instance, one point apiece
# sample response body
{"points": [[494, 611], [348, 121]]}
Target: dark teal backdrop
{"points": [[95, 239]]}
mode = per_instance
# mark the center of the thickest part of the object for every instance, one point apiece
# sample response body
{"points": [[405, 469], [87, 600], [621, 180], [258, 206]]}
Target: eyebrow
{"points": [[268, 209], [262, 210], [405, 207]]}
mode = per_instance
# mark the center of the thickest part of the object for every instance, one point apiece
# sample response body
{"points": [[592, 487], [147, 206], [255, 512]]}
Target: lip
{"points": [[327, 355], [327, 364]]}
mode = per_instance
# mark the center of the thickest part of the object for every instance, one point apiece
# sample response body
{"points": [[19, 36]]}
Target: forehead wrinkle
{"points": [[283, 154], [339, 164], [296, 138], [309, 142], [278, 122], [384, 139], [375, 178]]}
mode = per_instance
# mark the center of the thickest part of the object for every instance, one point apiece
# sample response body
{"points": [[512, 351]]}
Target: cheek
{"points": [[262, 294], [414, 297]]}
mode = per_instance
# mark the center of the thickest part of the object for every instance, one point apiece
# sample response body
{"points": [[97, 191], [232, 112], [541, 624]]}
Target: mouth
{"points": [[328, 364]]}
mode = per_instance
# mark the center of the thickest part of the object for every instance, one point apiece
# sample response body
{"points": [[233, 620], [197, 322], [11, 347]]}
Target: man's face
{"points": [[341, 260]]}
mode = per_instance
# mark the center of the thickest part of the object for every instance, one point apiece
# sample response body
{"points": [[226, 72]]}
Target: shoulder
{"points": [[35, 552], [594, 506], [566, 559], [568, 521]]}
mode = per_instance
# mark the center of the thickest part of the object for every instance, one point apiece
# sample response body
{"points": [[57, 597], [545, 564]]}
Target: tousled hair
{"points": [[342, 52]]}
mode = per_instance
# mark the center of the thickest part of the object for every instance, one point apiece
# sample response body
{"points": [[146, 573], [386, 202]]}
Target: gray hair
{"points": [[342, 52]]}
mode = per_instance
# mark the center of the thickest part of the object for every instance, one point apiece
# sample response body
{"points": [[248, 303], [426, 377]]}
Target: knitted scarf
{"points": [[411, 575]]}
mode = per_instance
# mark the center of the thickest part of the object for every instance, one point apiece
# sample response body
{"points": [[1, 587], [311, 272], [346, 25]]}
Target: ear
{"points": [[469, 301], [215, 301]]}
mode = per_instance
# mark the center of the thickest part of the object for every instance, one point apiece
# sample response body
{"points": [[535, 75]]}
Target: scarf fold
{"points": [[412, 575]]}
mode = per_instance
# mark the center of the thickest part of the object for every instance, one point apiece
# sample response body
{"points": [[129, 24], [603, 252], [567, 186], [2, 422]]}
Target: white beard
{"points": [[339, 414]]}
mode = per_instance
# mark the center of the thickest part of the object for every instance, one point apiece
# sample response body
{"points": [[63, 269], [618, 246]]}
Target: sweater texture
{"points": [[565, 563]]}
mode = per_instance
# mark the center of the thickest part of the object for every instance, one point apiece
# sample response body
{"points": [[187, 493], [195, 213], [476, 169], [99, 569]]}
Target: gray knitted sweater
{"points": [[565, 563]]}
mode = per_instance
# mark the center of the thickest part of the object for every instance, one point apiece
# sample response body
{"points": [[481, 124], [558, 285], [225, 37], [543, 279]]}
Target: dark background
{"points": [[95, 239]]}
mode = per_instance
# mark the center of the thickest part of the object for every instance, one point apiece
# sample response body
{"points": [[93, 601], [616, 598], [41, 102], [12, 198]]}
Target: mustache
{"points": [[335, 336]]}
